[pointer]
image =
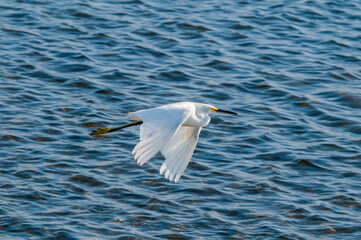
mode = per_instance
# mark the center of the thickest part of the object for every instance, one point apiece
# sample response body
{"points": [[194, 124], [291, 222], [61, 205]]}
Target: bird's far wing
{"points": [[178, 152], [159, 125]]}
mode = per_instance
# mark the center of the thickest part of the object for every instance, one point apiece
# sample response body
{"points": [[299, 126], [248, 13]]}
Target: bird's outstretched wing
{"points": [[178, 152], [159, 125]]}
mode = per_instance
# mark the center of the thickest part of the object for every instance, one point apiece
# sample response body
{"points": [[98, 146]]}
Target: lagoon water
{"points": [[287, 167]]}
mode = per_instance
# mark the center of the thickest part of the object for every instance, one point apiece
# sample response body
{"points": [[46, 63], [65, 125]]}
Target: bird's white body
{"points": [[172, 129]]}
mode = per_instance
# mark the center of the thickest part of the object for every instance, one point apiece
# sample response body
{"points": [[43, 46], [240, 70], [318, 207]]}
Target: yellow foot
{"points": [[100, 131]]}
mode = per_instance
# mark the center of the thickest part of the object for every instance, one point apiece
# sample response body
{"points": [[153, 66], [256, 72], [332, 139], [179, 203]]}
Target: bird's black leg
{"points": [[101, 131]]}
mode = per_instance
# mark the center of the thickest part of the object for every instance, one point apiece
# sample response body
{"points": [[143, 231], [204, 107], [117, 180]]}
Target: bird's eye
{"points": [[213, 109]]}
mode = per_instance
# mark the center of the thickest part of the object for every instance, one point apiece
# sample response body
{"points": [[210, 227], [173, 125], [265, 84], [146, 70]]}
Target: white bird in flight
{"points": [[172, 129]]}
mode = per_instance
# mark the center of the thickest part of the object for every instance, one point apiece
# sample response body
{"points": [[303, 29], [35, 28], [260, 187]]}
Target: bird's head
{"points": [[214, 109], [207, 109]]}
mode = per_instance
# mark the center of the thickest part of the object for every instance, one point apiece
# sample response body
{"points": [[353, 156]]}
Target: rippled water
{"points": [[288, 167]]}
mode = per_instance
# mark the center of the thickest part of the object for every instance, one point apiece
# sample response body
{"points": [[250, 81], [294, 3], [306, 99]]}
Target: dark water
{"points": [[288, 167]]}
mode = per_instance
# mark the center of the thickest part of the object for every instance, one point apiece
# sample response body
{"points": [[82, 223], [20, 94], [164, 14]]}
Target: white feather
{"points": [[178, 151], [152, 139]]}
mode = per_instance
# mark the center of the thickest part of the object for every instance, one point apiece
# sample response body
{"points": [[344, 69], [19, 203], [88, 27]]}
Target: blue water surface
{"points": [[287, 167]]}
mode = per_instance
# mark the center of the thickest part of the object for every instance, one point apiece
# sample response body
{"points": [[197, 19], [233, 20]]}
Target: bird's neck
{"points": [[197, 120]]}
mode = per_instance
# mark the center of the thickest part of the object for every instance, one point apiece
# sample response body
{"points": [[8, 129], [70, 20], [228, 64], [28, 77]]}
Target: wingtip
{"points": [[167, 173], [177, 177], [162, 168]]}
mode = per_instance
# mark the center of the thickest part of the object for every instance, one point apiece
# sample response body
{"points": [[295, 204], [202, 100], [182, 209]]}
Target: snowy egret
{"points": [[172, 129]]}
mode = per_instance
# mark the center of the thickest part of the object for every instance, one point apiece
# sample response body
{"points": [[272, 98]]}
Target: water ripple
{"points": [[288, 167]]}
